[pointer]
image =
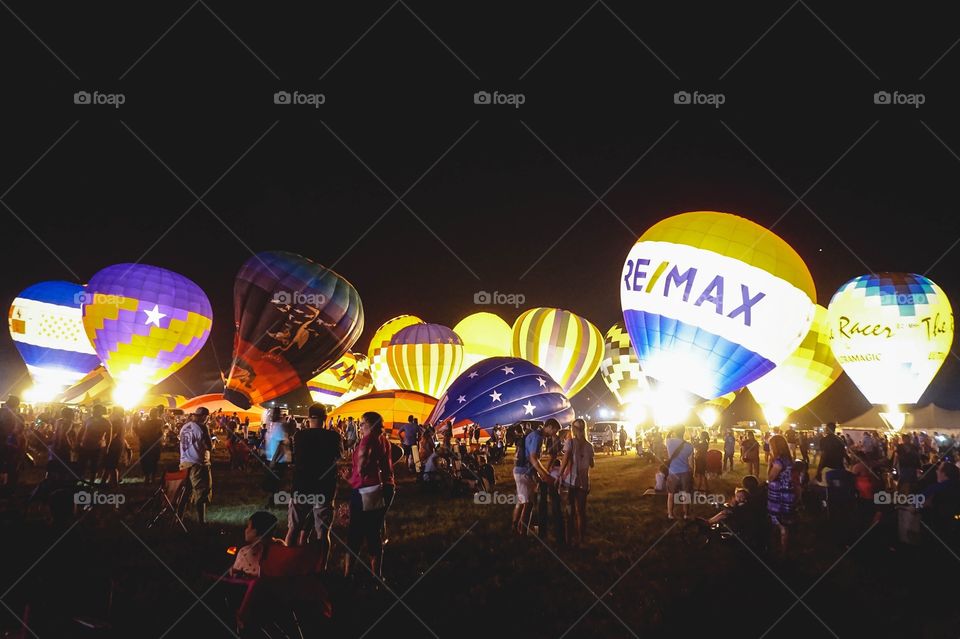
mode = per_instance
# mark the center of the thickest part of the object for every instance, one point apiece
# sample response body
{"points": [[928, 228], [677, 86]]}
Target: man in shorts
{"points": [[316, 451], [527, 469], [410, 437], [679, 478], [195, 447]]}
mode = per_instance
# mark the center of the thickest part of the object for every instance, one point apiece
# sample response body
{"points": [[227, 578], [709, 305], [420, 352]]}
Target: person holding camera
{"points": [[528, 469]]}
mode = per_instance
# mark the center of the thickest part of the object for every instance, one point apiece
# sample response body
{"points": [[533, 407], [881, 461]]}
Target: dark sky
{"points": [[500, 198]]}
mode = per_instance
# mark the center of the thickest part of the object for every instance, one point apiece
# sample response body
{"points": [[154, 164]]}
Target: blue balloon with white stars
{"points": [[502, 390]]}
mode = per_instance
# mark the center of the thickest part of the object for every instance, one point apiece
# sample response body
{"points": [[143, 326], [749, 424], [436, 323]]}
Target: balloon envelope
{"points": [[294, 319], [377, 351], [713, 301], [145, 323], [362, 379], [46, 324], [484, 335], [565, 345], [890, 332], [809, 371], [425, 358], [329, 386], [395, 406], [502, 390], [620, 367]]}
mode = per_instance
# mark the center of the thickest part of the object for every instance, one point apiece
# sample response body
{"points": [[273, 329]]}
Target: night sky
{"points": [[199, 167]]}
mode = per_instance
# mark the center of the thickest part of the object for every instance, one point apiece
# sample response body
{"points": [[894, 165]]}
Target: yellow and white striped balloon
{"points": [[565, 345], [425, 358], [382, 379]]}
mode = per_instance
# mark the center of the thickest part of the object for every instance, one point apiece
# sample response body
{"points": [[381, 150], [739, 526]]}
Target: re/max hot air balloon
{"points": [[362, 379], [809, 371], [502, 390], [620, 368], [562, 343], [145, 323], [294, 318], [713, 301], [890, 332], [331, 384], [425, 358], [394, 406], [484, 335], [377, 351], [46, 324]]}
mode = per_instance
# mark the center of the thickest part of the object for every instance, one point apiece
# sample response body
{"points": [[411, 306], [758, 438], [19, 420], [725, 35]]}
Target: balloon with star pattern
{"points": [[145, 323], [502, 390]]}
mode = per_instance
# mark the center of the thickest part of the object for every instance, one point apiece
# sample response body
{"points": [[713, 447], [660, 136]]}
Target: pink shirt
{"points": [[372, 464]]}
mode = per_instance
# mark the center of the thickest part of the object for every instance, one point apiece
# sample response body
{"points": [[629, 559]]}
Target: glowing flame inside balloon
{"points": [[670, 406], [41, 393], [708, 416], [894, 417], [635, 412], [128, 393], [775, 415]]}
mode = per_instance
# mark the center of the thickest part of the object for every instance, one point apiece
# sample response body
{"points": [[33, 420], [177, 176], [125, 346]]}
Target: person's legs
{"points": [[557, 513], [322, 521], [581, 515], [374, 526], [670, 497], [354, 532]]}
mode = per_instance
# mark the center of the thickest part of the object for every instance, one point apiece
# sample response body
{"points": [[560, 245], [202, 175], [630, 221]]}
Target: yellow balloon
{"points": [[565, 345], [620, 368], [484, 335], [425, 358], [891, 333], [382, 380], [709, 411], [330, 385], [806, 373]]}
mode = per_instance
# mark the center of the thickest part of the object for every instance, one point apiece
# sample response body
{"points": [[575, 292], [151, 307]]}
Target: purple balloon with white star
{"points": [[502, 390]]}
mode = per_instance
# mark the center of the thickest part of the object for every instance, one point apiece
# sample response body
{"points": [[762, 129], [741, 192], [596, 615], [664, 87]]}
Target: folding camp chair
{"points": [[289, 583], [170, 497]]}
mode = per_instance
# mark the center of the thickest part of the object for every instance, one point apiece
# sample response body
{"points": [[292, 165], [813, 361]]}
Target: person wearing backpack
{"points": [[680, 479]]}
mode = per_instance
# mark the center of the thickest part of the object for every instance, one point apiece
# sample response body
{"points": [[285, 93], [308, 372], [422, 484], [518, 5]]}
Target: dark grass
{"points": [[461, 573]]}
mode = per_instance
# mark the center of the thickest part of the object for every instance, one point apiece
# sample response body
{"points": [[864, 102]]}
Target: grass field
{"points": [[460, 572]]}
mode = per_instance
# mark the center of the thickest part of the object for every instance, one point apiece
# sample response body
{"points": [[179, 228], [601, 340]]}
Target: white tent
{"points": [[929, 418]]}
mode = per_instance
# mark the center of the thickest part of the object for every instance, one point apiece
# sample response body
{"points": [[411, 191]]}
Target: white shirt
{"points": [[193, 448]]}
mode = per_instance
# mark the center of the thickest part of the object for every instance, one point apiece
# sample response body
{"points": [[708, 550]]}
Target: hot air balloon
{"points": [[484, 335], [709, 411], [502, 390], [145, 323], [377, 352], [46, 324], [294, 319], [332, 384], [425, 358], [620, 368], [95, 386], [362, 379], [713, 301], [395, 406], [565, 345], [890, 332], [801, 377]]}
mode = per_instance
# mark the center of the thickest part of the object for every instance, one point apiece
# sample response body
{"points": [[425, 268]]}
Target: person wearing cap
{"points": [[316, 451], [195, 447]]}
